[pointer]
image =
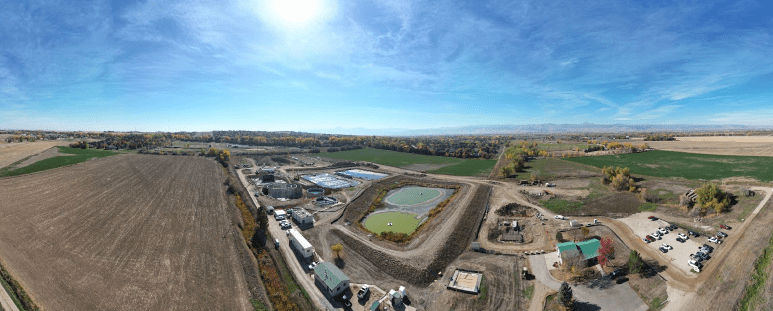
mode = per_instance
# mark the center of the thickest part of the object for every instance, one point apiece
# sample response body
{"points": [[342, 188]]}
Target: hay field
{"points": [[686, 165], [720, 145], [13, 152], [427, 163], [128, 232]]}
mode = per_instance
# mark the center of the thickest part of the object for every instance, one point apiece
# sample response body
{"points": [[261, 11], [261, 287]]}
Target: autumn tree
{"points": [[606, 251], [585, 231], [337, 248], [711, 197], [224, 156]]}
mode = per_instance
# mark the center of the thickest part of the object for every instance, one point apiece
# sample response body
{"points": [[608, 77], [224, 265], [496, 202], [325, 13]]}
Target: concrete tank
{"points": [[284, 190], [315, 192]]}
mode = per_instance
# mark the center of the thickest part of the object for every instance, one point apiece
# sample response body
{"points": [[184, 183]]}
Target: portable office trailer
{"points": [[301, 245]]}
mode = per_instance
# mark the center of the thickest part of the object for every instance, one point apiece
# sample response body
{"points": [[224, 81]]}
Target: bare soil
{"points": [[14, 152], [128, 232], [721, 145], [504, 287]]}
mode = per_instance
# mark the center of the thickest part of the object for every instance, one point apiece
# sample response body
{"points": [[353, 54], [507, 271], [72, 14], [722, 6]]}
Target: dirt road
{"points": [[128, 232], [299, 272], [6, 302]]}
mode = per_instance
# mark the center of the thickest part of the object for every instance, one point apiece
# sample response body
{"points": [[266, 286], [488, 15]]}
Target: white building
{"points": [[302, 217], [301, 244]]}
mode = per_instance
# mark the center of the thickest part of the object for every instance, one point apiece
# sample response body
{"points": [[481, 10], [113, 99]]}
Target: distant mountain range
{"points": [[545, 128]]}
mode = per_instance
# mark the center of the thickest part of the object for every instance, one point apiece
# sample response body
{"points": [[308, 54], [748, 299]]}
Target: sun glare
{"points": [[296, 11]]}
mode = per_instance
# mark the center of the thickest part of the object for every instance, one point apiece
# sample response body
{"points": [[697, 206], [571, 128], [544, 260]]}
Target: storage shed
{"points": [[330, 279], [302, 217]]}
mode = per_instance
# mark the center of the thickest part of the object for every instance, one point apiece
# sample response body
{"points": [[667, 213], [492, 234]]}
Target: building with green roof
{"points": [[330, 279], [588, 249]]}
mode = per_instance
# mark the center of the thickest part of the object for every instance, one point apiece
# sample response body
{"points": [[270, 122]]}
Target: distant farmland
{"points": [[686, 165], [440, 165], [71, 156]]}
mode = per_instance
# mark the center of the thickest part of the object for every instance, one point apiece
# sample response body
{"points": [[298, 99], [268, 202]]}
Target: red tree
{"points": [[606, 250]]}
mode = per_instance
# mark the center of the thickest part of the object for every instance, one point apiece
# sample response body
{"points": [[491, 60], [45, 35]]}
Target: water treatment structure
{"points": [[284, 191]]}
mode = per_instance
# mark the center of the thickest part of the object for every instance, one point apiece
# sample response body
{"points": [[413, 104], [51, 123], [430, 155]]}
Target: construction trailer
{"points": [[301, 245]]}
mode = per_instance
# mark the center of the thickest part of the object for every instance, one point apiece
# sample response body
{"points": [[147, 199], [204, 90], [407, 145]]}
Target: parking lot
{"points": [[677, 257]]}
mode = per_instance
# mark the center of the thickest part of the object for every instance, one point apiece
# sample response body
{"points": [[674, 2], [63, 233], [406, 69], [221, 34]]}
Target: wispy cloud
{"points": [[601, 61]]}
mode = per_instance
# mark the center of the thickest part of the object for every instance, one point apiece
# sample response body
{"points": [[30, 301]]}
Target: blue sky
{"points": [[318, 64]]}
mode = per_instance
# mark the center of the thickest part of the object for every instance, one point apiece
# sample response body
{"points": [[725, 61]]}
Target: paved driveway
{"points": [[603, 294]]}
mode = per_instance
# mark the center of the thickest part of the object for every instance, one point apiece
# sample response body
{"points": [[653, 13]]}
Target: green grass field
{"points": [[550, 168], [686, 165], [468, 167], [452, 166], [77, 156], [413, 195], [401, 222]]}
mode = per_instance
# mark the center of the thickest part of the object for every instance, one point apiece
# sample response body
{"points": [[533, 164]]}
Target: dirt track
{"points": [[128, 232]]}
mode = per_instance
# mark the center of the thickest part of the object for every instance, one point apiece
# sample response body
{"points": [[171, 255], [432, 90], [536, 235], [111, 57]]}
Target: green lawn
{"points": [[401, 222], [77, 156], [686, 165], [453, 166]]}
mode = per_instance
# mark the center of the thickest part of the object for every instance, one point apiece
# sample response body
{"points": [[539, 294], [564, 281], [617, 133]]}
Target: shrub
{"points": [[711, 197]]}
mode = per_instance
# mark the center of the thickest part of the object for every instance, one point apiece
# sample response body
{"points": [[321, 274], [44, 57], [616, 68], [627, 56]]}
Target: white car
{"points": [[656, 235], [715, 240], [666, 246], [558, 217], [692, 262], [662, 231], [683, 236]]}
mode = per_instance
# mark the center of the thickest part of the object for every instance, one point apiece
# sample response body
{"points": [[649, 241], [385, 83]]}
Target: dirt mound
{"points": [[515, 209]]}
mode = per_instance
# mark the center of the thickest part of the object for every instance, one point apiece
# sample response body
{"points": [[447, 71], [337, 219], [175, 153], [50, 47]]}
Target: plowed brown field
{"points": [[129, 232]]}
